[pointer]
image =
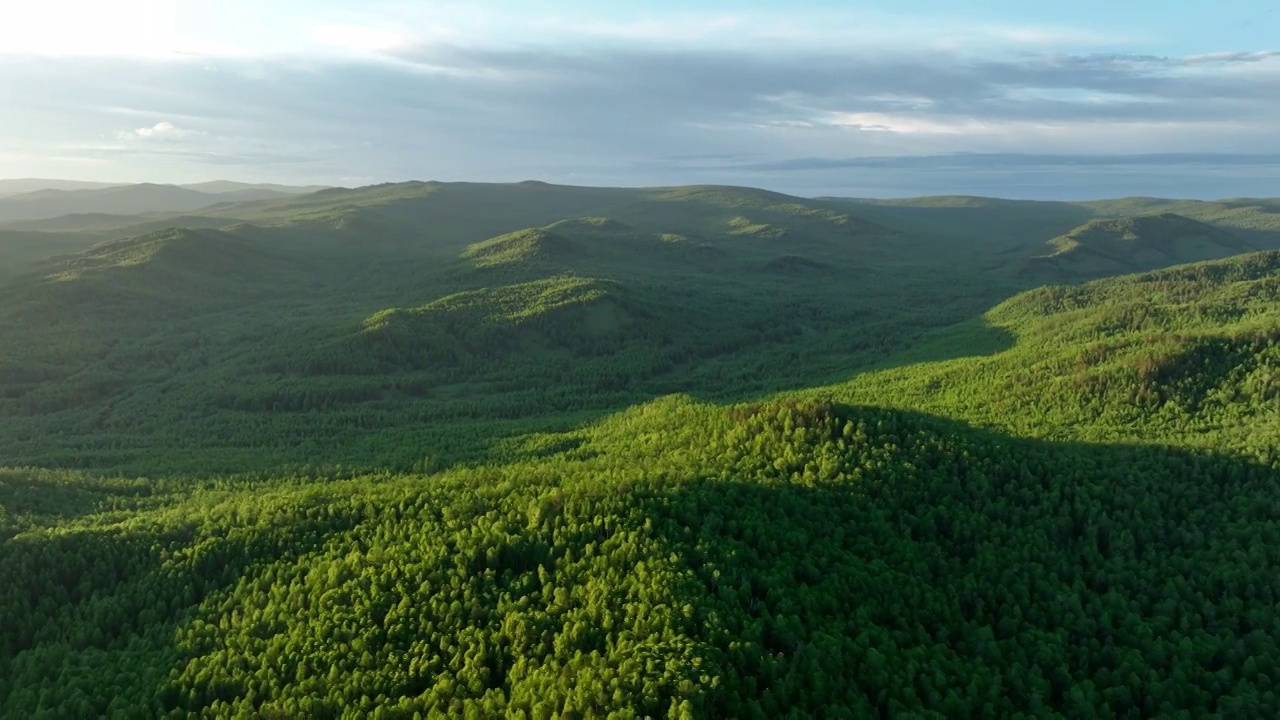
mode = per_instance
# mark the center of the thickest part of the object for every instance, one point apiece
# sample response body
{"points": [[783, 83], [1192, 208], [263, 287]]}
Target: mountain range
{"points": [[25, 200]]}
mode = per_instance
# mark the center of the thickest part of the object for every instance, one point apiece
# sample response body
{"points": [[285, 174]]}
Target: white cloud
{"points": [[164, 130], [176, 29], [907, 124], [1231, 57], [843, 29], [453, 108]]}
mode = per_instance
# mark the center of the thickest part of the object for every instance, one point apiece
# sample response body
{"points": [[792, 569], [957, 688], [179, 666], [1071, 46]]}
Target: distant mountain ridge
{"points": [[27, 201], [228, 186], [19, 186]]}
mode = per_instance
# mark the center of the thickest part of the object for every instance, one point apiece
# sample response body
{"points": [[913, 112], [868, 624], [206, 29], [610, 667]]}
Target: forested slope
{"points": [[1188, 355], [694, 452], [265, 349]]}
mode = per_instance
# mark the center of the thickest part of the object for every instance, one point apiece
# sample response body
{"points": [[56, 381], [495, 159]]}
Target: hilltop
{"points": [[1113, 246], [524, 246]]}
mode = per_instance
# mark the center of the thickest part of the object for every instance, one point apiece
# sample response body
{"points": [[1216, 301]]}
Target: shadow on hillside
{"points": [[950, 569], [972, 338], [115, 591], [977, 574], [976, 337], [42, 498]]}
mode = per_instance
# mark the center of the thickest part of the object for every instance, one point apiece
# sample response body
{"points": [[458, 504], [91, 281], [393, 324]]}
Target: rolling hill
{"points": [[534, 450], [1188, 352], [534, 245], [582, 316], [1115, 246], [744, 291]]}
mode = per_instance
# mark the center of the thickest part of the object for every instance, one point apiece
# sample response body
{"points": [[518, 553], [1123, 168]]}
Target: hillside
{"points": [[460, 449], [580, 315], [117, 300], [1188, 353], [797, 293], [534, 245], [171, 259], [762, 558], [1118, 245], [982, 228], [19, 250]]}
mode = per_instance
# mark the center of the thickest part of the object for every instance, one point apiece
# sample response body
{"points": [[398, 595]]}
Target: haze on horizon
{"points": [[1081, 100]]}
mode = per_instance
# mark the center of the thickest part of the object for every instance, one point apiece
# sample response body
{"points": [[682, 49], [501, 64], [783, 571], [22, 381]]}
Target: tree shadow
{"points": [[89, 628], [965, 572], [836, 561], [33, 498], [972, 338]]}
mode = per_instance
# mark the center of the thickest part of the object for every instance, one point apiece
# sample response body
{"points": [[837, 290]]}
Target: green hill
{"points": [[1188, 354], [601, 227], [175, 265], [581, 315], [524, 246], [1118, 245], [261, 315], [90, 327], [847, 559], [452, 449]]}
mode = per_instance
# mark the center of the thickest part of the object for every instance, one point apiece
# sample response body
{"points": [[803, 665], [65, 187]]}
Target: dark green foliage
{"points": [[1117, 245], [432, 450], [136, 352], [19, 250]]}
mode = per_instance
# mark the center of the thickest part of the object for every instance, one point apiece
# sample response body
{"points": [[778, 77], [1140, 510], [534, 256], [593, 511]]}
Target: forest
{"points": [[524, 450]]}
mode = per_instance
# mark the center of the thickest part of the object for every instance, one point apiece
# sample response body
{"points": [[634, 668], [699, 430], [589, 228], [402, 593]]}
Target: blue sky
{"points": [[813, 97]]}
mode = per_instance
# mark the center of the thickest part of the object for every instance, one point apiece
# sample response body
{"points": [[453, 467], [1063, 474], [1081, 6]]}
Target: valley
{"points": [[436, 449]]}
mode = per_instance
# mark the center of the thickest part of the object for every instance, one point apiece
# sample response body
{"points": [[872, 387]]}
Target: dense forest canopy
{"points": [[429, 450]]}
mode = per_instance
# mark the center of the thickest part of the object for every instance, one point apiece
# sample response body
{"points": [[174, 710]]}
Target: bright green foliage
{"points": [[750, 561], [694, 452], [1189, 356]]}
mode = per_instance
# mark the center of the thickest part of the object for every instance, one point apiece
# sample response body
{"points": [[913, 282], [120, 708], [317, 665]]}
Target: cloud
{"points": [[447, 110], [245, 156], [172, 29], [163, 130], [1011, 161], [1230, 57]]}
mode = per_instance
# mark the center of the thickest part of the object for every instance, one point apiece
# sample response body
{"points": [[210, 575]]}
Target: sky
{"points": [[882, 98]]}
